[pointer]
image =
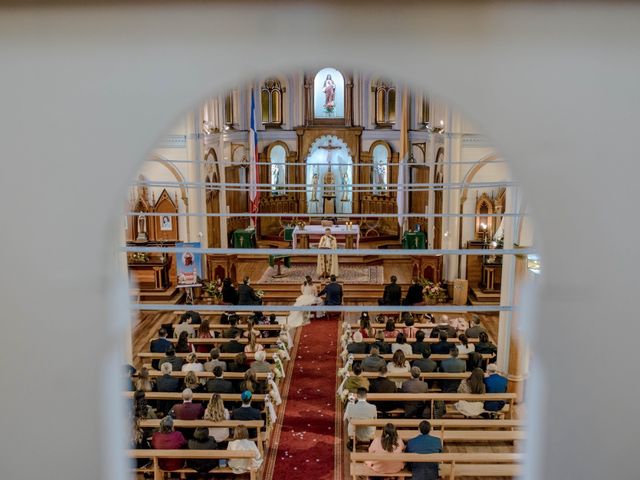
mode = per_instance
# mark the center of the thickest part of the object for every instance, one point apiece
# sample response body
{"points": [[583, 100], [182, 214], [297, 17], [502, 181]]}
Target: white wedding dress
{"points": [[309, 297]]}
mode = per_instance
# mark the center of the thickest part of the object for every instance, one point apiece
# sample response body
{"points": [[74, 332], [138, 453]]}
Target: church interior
{"points": [[238, 210]]}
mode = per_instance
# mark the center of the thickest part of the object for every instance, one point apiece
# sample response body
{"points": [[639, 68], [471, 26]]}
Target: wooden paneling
{"points": [[474, 264]]}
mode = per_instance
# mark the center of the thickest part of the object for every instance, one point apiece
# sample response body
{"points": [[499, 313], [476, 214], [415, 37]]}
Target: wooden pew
{"points": [[452, 465], [197, 397], [435, 357], [211, 341], [199, 375], [205, 356], [158, 474], [509, 398], [426, 340]]}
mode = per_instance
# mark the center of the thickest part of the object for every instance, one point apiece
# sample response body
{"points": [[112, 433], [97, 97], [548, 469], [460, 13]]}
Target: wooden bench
{"points": [[414, 356], [426, 340], [424, 375], [452, 465], [199, 375], [158, 473], [197, 397], [211, 341], [205, 356], [509, 398]]}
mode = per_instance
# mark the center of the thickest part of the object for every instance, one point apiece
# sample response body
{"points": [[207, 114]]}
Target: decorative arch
{"points": [[380, 153], [277, 172], [384, 101], [181, 183], [272, 92]]}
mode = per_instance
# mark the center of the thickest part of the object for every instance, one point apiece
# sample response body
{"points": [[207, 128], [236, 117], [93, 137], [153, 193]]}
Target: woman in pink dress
{"points": [[388, 442]]}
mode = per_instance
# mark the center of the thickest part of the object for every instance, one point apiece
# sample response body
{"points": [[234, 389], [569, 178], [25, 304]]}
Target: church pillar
{"points": [[451, 197], [195, 225], [223, 161], [348, 102], [518, 369]]}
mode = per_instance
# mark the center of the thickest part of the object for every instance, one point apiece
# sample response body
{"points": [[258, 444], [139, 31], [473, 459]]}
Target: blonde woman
{"points": [[216, 412], [253, 346], [143, 382], [192, 364], [191, 381], [241, 442], [250, 383], [398, 364]]}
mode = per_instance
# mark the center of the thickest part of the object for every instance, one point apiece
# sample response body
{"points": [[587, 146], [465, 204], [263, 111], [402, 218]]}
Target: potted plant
{"points": [[433, 292], [213, 290]]}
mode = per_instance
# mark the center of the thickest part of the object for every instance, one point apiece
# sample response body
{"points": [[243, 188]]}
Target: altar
{"points": [[314, 232]]}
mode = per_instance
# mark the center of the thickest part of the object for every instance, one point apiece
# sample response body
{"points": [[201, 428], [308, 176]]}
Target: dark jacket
{"points": [[426, 365], [206, 464], [392, 294], [383, 385], [232, 347], [451, 365], [247, 296], [373, 363], [176, 362], [414, 294], [419, 347], [159, 345], [246, 413], [229, 295], [333, 294], [383, 347], [219, 385], [486, 348], [424, 444], [413, 385], [167, 383], [441, 348], [357, 347]]}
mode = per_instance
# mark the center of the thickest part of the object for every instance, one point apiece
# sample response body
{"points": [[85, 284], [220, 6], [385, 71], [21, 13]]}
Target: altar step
{"points": [[353, 293], [170, 296], [478, 296]]}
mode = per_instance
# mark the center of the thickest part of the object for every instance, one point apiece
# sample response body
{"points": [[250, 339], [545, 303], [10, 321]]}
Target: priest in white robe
{"points": [[327, 263]]}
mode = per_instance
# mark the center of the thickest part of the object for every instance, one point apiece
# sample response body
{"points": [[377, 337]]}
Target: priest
{"points": [[327, 263]]}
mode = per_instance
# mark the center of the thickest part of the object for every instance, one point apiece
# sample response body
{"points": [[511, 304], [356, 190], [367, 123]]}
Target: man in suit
{"points": [[246, 411], [425, 364], [170, 357], [494, 383], [358, 345], [414, 385], [382, 384], [424, 443], [374, 362], [419, 345], [476, 329], [414, 294], [219, 384], [392, 293], [166, 383], [332, 292], [214, 361], [187, 410], [159, 345], [452, 365], [443, 346], [247, 295], [233, 346], [361, 410]]}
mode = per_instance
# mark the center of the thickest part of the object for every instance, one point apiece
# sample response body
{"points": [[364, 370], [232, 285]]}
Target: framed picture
{"points": [[166, 223]]}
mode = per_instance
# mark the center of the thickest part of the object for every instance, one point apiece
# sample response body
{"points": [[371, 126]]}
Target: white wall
{"points": [[109, 64]]}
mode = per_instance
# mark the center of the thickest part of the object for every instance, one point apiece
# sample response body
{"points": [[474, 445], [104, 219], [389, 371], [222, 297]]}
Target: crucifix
{"points": [[329, 182]]}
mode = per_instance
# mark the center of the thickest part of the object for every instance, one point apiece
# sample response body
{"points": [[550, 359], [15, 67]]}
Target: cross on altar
{"points": [[329, 181]]}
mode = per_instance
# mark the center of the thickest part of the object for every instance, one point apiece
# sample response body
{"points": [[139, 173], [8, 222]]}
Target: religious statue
{"points": [[327, 263], [142, 229], [329, 192], [345, 188], [329, 90], [314, 187]]}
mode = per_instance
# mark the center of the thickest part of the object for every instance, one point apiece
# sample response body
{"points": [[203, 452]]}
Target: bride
{"points": [[309, 297]]}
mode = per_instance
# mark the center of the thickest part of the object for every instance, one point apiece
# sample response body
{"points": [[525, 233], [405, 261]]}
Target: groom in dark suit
{"points": [[332, 292]]}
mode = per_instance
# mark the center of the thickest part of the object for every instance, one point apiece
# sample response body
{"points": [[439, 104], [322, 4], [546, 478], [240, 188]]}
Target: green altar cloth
{"points": [[244, 238], [413, 240]]}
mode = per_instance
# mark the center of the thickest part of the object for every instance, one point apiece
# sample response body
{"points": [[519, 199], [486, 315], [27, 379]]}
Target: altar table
{"points": [[316, 231]]}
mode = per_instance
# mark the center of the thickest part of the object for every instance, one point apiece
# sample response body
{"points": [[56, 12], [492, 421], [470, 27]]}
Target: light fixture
{"points": [[483, 226], [446, 234]]}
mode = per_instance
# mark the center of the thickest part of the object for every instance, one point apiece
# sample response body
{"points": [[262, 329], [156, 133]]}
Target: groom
{"points": [[332, 292]]}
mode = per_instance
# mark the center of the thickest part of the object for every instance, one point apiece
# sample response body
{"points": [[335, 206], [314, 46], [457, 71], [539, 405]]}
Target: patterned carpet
{"points": [[349, 273]]}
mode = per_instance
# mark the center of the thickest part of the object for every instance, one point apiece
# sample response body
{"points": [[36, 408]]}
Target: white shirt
{"points": [[242, 465], [405, 347], [184, 327], [464, 350], [193, 367], [391, 369], [220, 433]]}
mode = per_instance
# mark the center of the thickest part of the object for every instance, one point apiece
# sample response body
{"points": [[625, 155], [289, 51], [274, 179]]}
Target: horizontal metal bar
{"points": [[337, 186], [229, 163], [327, 308], [341, 251], [325, 215]]}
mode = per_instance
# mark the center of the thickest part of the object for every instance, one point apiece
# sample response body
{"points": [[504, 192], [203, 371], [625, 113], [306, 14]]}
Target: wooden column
{"points": [[518, 349]]}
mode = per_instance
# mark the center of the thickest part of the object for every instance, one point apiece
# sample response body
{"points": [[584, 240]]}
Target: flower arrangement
{"points": [[300, 224], [139, 257], [260, 293], [434, 291], [213, 289]]}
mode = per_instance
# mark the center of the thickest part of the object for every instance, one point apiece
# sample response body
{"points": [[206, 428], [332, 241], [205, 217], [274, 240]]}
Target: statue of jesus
{"points": [[329, 192], [327, 263]]}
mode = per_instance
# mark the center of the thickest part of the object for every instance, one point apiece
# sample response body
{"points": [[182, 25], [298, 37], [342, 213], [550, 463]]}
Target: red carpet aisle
{"points": [[305, 448]]}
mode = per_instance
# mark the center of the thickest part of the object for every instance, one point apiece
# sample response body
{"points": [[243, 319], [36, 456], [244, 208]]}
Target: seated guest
{"points": [[246, 411], [214, 361], [187, 410], [419, 345], [390, 329], [202, 441], [192, 364], [167, 383], [218, 384], [360, 409], [484, 346], [170, 357], [374, 362], [443, 347], [414, 385], [358, 345], [204, 331], [452, 365], [251, 322], [139, 441], [409, 330], [234, 345], [247, 295], [464, 347], [229, 293], [159, 345], [443, 326], [215, 412], [365, 326], [474, 360], [401, 344], [184, 326], [183, 345], [239, 363], [253, 346], [168, 439], [241, 442], [382, 384], [424, 443], [143, 382], [388, 442], [414, 294], [392, 293], [251, 384], [355, 380], [494, 383], [140, 407], [260, 365], [129, 372], [233, 321], [475, 329], [383, 347], [474, 385], [398, 364], [425, 364], [192, 383]]}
